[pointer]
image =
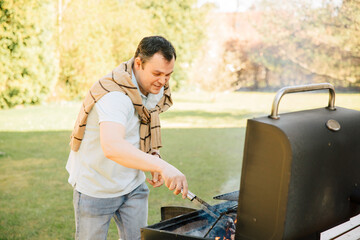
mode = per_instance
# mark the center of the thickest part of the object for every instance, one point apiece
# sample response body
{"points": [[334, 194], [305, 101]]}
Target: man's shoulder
{"points": [[115, 97], [115, 106], [115, 101]]}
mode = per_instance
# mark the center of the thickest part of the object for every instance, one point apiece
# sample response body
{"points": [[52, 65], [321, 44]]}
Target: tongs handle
{"points": [[190, 195]]}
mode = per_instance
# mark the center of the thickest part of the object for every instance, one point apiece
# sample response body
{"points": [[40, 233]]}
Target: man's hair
{"points": [[148, 46]]}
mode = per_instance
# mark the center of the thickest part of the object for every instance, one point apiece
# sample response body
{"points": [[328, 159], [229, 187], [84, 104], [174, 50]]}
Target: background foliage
{"points": [[27, 51], [313, 43], [57, 49], [107, 33], [283, 42]]}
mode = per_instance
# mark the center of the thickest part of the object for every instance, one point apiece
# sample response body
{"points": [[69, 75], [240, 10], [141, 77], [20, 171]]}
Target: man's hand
{"points": [[174, 179], [156, 180]]}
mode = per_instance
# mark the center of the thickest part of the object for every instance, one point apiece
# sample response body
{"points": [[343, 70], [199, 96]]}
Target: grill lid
{"points": [[298, 175]]}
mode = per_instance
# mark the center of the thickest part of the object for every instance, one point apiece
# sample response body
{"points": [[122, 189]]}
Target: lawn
{"points": [[203, 136]]}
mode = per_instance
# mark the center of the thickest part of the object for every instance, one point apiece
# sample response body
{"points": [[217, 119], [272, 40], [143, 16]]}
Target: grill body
{"points": [[298, 175]]}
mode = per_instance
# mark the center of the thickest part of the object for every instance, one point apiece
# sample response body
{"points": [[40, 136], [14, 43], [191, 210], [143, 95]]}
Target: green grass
{"points": [[202, 136], [34, 201]]}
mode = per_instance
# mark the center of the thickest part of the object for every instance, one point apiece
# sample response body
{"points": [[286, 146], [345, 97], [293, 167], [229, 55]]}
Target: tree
{"points": [[27, 51], [98, 35], [58, 49], [310, 43]]}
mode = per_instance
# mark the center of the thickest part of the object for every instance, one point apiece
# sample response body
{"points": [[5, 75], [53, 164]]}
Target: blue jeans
{"points": [[93, 215]]}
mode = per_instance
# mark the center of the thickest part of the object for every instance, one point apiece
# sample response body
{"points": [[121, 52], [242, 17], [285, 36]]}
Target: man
{"points": [[117, 137]]}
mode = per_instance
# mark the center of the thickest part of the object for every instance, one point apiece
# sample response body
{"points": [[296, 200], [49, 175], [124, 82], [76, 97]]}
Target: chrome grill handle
{"points": [[302, 88]]}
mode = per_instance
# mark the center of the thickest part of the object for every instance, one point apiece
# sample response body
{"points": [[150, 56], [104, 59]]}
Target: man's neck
{"points": [[139, 84]]}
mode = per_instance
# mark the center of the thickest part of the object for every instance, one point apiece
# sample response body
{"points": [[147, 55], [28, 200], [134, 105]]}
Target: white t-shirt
{"points": [[90, 171]]}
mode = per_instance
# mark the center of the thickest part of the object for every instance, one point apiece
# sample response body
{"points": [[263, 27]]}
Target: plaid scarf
{"points": [[120, 80]]}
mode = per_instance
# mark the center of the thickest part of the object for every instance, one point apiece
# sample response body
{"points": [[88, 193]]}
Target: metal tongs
{"points": [[210, 210], [205, 206]]}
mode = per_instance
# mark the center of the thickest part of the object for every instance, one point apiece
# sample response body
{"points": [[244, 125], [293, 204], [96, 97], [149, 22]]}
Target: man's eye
{"points": [[156, 74]]}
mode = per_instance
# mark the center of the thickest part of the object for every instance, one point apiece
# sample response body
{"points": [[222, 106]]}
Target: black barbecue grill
{"points": [[300, 176]]}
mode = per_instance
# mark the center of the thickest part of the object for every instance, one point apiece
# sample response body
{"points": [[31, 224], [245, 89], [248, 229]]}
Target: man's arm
{"points": [[116, 148]]}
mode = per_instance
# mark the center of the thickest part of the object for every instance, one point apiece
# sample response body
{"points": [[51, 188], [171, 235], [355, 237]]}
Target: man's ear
{"points": [[137, 63]]}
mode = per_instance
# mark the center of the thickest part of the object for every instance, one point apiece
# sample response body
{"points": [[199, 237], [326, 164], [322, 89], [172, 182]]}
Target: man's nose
{"points": [[162, 80]]}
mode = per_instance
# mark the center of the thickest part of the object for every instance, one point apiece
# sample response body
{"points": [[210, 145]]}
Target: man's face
{"points": [[153, 74]]}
